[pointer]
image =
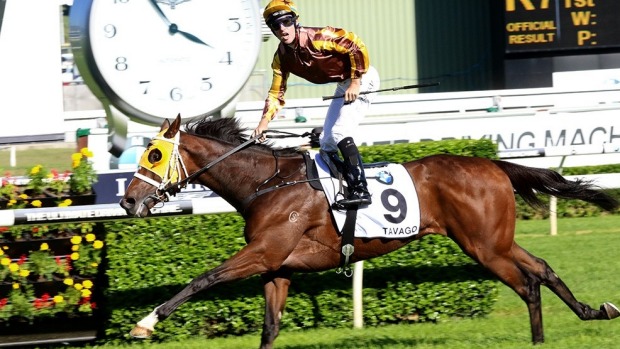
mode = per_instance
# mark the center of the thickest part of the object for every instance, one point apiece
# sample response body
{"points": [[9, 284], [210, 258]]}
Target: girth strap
{"points": [[348, 232]]}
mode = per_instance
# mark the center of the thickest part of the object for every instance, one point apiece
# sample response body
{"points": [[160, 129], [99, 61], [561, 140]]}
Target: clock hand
{"points": [[161, 13], [173, 28]]}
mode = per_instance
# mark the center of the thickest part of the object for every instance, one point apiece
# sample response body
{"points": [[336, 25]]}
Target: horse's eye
{"points": [[155, 156]]}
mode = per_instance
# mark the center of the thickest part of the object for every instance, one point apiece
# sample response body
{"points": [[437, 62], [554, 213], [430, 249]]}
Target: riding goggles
{"points": [[286, 21]]}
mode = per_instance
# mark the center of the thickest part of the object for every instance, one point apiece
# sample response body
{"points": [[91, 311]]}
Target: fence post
{"points": [[553, 214], [12, 156], [553, 205], [358, 276]]}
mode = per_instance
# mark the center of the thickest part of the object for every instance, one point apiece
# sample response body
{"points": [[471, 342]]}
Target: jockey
{"points": [[324, 55]]}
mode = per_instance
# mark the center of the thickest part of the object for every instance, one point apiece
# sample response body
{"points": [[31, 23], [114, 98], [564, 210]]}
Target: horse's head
{"points": [[161, 168]]}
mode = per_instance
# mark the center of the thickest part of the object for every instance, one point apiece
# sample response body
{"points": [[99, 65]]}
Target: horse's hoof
{"points": [[140, 332], [611, 310]]}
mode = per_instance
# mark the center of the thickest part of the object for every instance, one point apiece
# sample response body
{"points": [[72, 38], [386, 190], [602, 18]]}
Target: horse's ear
{"points": [[164, 125], [173, 128]]}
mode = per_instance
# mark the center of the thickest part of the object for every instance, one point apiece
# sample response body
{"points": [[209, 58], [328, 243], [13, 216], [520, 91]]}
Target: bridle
{"points": [[173, 169]]}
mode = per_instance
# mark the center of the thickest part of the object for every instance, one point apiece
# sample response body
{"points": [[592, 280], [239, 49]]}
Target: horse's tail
{"points": [[527, 181]]}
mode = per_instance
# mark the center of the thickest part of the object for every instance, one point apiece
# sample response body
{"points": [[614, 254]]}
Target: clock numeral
{"points": [[109, 31], [145, 84], [227, 59], [121, 63], [206, 85], [234, 25], [121, 1], [176, 94]]}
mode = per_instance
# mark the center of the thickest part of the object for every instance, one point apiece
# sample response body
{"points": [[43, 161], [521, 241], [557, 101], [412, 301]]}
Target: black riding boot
{"points": [[354, 175]]}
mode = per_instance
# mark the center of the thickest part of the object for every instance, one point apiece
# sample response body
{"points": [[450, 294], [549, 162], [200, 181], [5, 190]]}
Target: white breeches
{"points": [[342, 119]]}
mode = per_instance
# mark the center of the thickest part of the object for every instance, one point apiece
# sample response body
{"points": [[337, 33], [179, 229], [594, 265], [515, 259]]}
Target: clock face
{"points": [[155, 59]]}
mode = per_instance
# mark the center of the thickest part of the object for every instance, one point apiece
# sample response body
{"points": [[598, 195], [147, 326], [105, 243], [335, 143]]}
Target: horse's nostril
{"points": [[128, 203]]}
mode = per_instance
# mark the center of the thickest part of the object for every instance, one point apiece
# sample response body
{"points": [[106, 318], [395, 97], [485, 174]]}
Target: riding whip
{"points": [[406, 87]]}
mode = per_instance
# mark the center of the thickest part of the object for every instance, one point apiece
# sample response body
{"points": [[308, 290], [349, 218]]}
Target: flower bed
{"points": [[41, 277], [49, 271], [50, 188]]}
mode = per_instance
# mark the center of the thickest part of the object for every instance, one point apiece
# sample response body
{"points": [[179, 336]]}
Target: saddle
{"points": [[335, 169]]}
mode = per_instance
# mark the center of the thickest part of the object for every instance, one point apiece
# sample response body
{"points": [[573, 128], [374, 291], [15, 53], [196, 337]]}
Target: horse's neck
{"points": [[239, 175]]}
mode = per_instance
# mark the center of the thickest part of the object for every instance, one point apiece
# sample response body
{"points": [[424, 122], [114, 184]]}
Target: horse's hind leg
{"points": [[524, 284], [276, 292], [541, 271]]}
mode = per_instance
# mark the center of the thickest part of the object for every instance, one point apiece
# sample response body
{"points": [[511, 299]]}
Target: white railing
{"points": [[505, 116]]}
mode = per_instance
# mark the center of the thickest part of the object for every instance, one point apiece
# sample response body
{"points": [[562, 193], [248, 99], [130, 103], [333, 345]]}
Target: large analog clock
{"points": [[154, 59]]}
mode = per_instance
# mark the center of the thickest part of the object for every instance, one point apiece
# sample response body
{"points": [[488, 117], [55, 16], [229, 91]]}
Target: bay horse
{"points": [[468, 199]]}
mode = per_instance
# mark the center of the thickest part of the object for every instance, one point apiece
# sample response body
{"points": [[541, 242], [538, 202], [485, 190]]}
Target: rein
{"points": [[213, 163], [173, 188]]}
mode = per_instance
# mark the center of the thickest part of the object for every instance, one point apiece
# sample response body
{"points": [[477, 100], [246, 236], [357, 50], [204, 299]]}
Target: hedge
{"points": [[149, 260]]}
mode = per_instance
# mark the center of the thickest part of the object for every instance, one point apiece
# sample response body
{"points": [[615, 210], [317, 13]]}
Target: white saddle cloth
{"points": [[395, 210]]}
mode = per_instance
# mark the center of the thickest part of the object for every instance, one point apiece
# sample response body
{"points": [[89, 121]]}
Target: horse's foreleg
{"points": [[549, 278], [276, 291], [145, 327], [251, 260]]}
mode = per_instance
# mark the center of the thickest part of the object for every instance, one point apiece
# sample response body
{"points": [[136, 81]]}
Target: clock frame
{"points": [[154, 59]]}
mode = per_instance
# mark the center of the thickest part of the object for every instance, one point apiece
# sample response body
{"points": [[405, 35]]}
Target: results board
{"points": [[551, 25]]}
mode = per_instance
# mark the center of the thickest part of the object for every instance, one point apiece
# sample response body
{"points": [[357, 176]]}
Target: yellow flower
{"points": [[68, 281], [76, 240], [94, 264], [78, 286], [15, 285], [65, 203], [5, 261], [11, 202], [86, 152], [44, 246], [75, 256], [35, 170], [23, 196], [98, 244], [75, 248], [13, 267], [24, 273], [90, 237], [59, 299], [1, 252], [87, 284], [76, 159], [86, 293], [37, 203]]}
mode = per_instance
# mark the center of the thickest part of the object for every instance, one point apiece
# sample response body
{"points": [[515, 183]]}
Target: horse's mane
{"points": [[227, 130]]}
